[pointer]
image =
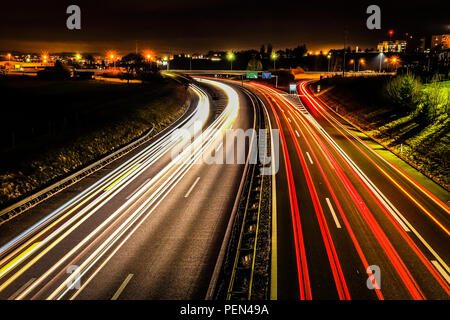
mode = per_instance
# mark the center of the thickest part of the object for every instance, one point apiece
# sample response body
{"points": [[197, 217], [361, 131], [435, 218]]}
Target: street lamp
{"points": [[359, 62], [111, 56], [381, 59], [329, 59], [9, 56], [274, 57], [166, 60], [352, 62], [395, 62], [230, 57], [190, 61]]}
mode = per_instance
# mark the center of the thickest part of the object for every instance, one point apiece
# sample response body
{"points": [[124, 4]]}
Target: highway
{"points": [[346, 223], [344, 214], [150, 226]]}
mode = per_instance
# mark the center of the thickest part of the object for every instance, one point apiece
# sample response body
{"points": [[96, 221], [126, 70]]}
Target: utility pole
{"points": [[381, 56], [345, 52]]}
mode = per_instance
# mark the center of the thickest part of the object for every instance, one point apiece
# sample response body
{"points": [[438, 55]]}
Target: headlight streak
{"points": [[151, 151], [210, 136], [161, 143], [177, 172]]}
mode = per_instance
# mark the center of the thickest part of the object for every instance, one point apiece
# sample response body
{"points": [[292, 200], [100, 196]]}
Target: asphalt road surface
{"points": [[149, 226], [349, 225]]}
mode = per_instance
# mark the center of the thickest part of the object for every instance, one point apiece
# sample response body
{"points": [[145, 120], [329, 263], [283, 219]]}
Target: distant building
{"points": [[415, 44], [441, 41], [21, 66], [392, 46]]}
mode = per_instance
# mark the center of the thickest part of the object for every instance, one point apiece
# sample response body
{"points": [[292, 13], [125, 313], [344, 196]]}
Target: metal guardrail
{"points": [[32, 200], [36, 198], [243, 272]]}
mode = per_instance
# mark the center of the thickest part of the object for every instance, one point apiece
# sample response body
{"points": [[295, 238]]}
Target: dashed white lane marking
{"points": [[296, 132], [122, 287], [333, 213], [309, 157], [192, 187], [22, 289]]}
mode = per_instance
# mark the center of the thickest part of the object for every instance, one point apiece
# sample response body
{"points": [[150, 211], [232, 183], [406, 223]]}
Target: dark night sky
{"points": [[200, 25]]}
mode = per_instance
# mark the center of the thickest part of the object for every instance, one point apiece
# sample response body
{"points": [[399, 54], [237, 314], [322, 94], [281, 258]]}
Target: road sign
{"points": [[267, 75], [292, 87], [252, 75]]}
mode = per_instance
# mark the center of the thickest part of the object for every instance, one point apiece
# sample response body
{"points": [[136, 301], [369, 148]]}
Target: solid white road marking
{"points": [[122, 287], [441, 270], [333, 213], [137, 189], [192, 187], [309, 157], [22, 289]]}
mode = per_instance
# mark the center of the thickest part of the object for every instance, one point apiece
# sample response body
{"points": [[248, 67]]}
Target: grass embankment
{"points": [[420, 140], [50, 129]]}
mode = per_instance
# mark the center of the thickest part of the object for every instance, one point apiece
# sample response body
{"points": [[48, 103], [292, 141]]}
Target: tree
{"points": [[254, 64], [58, 72], [262, 51], [269, 49], [89, 59], [299, 51], [149, 72], [132, 63]]}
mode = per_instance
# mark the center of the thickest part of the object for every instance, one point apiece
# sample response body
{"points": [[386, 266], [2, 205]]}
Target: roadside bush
{"points": [[435, 100], [405, 91]]}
